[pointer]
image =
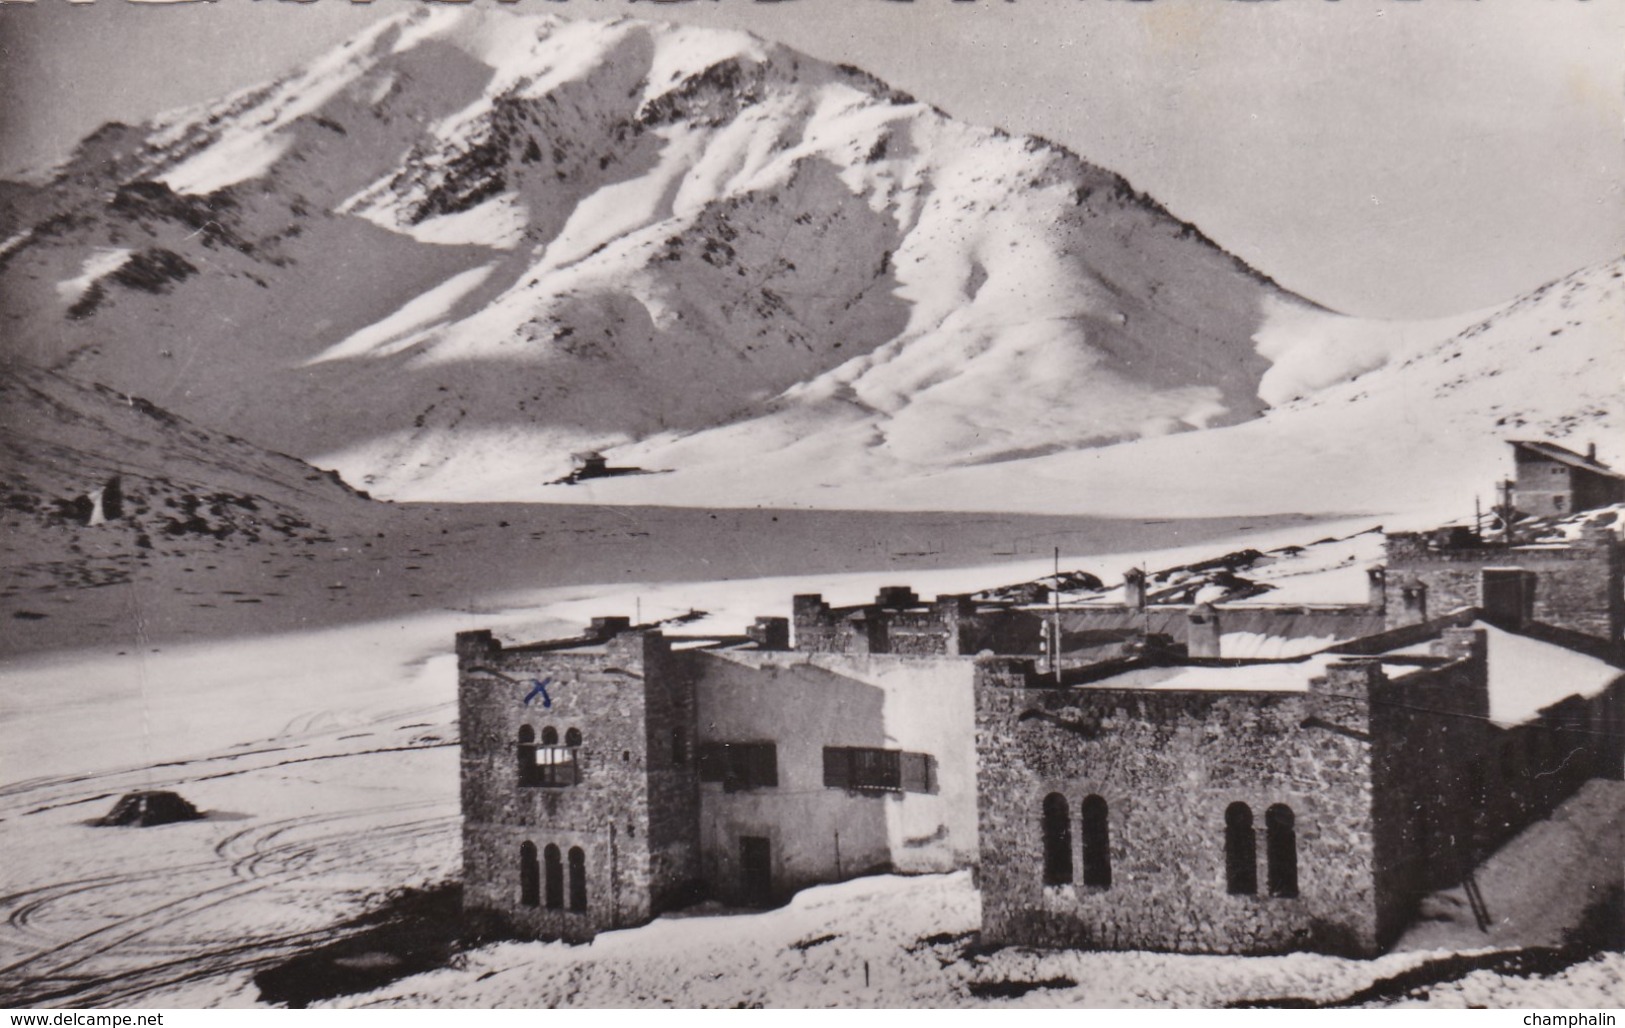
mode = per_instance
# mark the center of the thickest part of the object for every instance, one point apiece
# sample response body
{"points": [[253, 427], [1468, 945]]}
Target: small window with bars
{"points": [[547, 764], [558, 766], [740, 765], [867, 769]]}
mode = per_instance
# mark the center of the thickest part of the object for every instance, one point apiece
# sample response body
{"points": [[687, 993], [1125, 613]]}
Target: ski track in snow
{"points": [[187, 912]]}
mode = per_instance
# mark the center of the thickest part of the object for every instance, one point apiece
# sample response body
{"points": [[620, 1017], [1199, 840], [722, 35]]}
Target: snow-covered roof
{"points": [[1527, 675], [1290, 676]]}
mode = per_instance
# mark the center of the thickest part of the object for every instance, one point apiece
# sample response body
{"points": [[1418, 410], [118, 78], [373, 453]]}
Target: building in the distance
{"points": [[1552, 480]]}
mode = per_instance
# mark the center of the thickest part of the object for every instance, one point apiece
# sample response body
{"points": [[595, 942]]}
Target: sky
{"points": [[1389, 158]]}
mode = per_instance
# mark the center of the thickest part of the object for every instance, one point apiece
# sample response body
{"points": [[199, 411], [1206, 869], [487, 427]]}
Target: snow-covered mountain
{"points": [[467, 243], [1419, 435]]}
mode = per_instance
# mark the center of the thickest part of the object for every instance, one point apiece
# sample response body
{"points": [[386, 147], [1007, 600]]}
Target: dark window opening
{"points": [[1281, 850], [1097, 854], [679, 747], [578, 879], [740, 765], [530, 886], [548, 765], [1240, 851], [1057, 840], [527, 755], [867, 769], [556, 767], [555, 877]]}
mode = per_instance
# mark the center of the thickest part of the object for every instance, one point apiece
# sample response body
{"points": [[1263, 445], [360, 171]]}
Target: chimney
{"points": [[955, 612], [475, 644], [638, 650], [1469, 688], [604, 628], [1462, 644], [896, 596], [1507, 595], [770, 633], [1591, 452], [861, 633], [1414, 597], [1134, 588], [1202, 634]]}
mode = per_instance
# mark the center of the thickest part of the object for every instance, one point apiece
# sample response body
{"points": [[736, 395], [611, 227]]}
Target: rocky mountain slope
{"points": [[466, 243], [101, 486], [63, 443]]}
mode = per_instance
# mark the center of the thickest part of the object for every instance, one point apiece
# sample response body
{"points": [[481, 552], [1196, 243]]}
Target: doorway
{"points": [[756, 871]]}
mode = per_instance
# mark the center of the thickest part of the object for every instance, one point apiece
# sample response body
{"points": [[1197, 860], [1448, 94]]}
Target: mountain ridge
{"points": [[436, 145], [463, 245]]}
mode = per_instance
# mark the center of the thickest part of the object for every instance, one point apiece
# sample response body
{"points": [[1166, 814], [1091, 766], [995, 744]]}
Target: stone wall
{"points": [[1399, 783], [898, 623], [1169, 764], [953, 625], [1429, 733], [672, 760], [1529, 769], [1083, 627], [614, 694]]}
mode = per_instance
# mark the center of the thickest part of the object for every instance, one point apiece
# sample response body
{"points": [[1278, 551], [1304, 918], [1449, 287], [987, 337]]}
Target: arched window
{"points": [[1097, 854], [1057, 840], [550, 736], [527, 755], [1281, 850], [578, 879], [530, 884], [1240, 850], [555, 877], [572, 737]]}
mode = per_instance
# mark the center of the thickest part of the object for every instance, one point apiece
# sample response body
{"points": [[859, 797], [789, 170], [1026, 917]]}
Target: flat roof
{"points": [[1527, 675], [1269, 676]]}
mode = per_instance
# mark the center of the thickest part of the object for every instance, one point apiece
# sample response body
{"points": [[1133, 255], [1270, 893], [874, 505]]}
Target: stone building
{"points": [[580, 807], [613, 776], [1552, 480], [1136, 774], [1576, 585], [1263, 806]]}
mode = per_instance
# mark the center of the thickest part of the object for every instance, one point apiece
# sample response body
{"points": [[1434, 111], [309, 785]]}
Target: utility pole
{"points": [[1508, 512]]}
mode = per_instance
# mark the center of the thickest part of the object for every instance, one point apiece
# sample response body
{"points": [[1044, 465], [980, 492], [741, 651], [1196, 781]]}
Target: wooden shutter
{"points": [[917, 772], [713, 762], [764, 764], [837, 767]]}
